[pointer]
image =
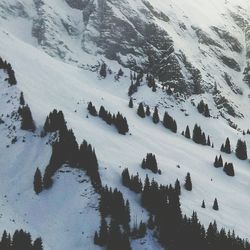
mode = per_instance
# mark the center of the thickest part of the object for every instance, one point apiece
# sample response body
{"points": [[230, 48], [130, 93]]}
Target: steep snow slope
{"points": [[65, 216]]}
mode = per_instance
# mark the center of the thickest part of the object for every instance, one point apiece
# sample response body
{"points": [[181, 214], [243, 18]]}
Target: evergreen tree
{"points": [[155, 117], [206, 111], [5, 242], [215, 205], [148, 111], [201, 107], [103, 233], [177, 187], [208, 141], [27, 122], [103, 70], [188, 182], [131, 105], [203, 204], [150, 163], [241, 150], [92, 109], [169, 122], [151, 222], [38, 244], [187, 133], [38, 185], [21, 100], [229, 169], [227, 148], [141, 111]]}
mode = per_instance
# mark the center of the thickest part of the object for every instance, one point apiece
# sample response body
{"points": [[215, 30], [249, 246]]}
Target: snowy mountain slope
{"points": [[50, 83]]}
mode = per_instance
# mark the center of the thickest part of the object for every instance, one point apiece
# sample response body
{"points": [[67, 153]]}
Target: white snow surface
{"points": [[65, 216]]}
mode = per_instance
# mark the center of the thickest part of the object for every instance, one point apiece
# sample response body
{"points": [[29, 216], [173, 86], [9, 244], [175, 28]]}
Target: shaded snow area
{"points": [[66, 216]]}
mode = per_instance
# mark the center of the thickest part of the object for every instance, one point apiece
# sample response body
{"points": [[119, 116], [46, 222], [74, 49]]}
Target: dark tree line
{"points": [[175, 231], [203, 109], [118, 120], [20, 240], [149, 162], [9, 70], [65, 150], [199, 136], [116, 235]]}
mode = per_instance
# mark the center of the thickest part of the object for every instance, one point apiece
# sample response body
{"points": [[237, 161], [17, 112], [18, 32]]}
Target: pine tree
{"points": [[201, 107], [215, 205], [188, 182], [27, 122], [177, 187], [103, 70], [148, 111], [131, 105], [38, 244], [241, 150], [187, 132], [151, 222], [141, 111], [22, 102], [38, 185], [92, 109], [96, 238], [227, 148], [229, 169], [206, 111], [208, 141], [203, 204], [155, 117], [220, 162], [103, 233], [125, 177]]}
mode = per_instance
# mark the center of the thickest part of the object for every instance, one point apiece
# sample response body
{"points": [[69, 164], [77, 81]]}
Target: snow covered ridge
{"points": [[193, 78]]}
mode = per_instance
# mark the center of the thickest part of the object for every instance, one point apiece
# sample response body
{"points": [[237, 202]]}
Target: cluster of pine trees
{"points": [[175, 231], [149, 162], [65, 150], [151, 82], [118, 120], [228, 167], [241, 149], [116, 235], [215, 205], [203, 109], [54, 122], [169, 122], [136, 80], [9, 70], [132, 182], [199, 136], [20, 240], [27, 122]]}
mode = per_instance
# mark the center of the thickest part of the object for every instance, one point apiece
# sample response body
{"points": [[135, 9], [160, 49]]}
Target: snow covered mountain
{"points": [[194, 50]]}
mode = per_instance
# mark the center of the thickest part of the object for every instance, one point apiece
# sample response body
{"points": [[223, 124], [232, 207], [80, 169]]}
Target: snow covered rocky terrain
{"points": [[66, 53]]}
